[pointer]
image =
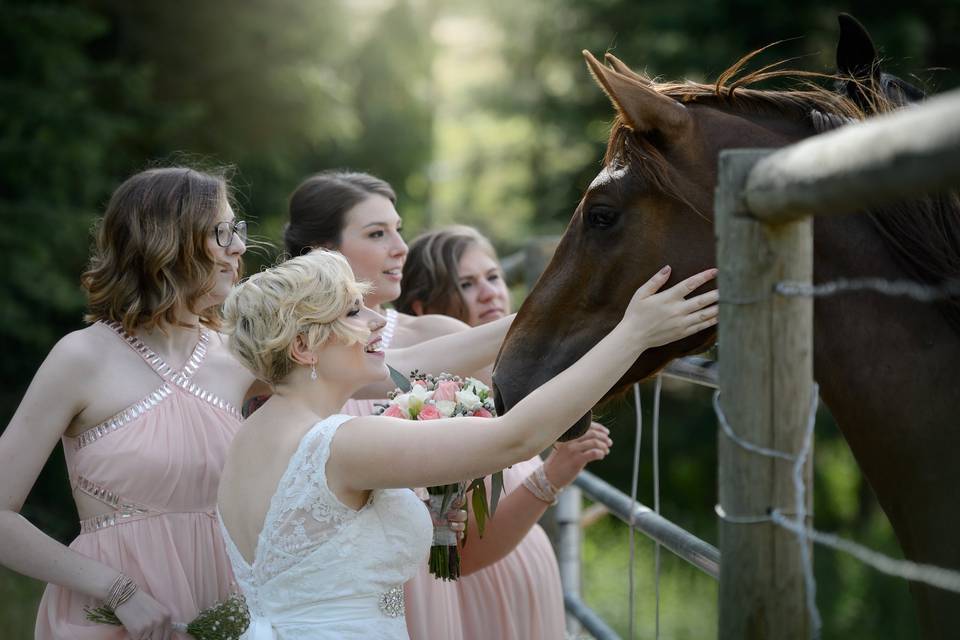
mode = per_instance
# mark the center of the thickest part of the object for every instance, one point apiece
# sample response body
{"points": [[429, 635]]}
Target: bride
{"points": [[318, 525]]}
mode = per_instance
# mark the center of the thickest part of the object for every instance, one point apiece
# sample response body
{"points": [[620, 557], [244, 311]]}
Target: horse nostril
{"points": [[497, 400]]}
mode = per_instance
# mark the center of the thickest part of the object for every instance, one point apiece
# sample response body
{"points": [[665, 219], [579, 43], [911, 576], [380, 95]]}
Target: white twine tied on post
{"points": [[800, 503]]}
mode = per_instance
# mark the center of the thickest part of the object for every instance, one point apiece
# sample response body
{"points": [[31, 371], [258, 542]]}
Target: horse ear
{"points": [[856, 54], [618, 65], [643, 108]]}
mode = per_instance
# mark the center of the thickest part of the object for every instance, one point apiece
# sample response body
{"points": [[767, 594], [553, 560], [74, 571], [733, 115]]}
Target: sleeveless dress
{"points": [[157, 465], [517, 598], [324, 571]]}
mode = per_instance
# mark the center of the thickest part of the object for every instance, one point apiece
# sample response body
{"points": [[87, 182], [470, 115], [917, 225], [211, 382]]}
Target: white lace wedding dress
{"points": [[322, 570]]}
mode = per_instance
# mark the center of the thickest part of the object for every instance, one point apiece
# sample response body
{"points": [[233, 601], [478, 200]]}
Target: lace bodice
{"points": [[322, 569]]}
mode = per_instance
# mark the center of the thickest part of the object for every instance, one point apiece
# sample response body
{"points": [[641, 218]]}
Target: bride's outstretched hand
{"points": [[661, 317]]}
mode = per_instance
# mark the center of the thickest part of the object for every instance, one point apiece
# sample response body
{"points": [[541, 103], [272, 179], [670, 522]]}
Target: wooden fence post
{"points": [[766, 380]]}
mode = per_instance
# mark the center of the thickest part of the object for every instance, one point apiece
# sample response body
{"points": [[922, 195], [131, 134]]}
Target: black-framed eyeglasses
{"points": [[225, 231]]}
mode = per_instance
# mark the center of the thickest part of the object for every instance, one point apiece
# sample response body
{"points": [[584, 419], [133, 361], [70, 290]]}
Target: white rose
{"points": [[468, 399], [446, 407], [475, 386]]}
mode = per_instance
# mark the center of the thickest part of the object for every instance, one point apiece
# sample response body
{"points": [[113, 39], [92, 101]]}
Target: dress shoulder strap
{"points": [[157, 363], [386, 336], [302, 502]]}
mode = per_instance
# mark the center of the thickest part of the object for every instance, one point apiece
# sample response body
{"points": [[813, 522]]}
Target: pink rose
{"points": [[446, 390], [482, 413], [394, 411], [429, 412]]}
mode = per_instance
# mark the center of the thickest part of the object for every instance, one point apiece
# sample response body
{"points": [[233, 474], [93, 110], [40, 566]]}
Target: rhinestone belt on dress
{"points": [[391, 602]]}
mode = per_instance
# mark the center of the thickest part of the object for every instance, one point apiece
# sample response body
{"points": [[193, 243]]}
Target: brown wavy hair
{"points": [[150, 258], [431, 272]]}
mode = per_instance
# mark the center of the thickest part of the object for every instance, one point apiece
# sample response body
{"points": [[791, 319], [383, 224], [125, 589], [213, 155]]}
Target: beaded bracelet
{"points": [[540, 486], [122, 589]]}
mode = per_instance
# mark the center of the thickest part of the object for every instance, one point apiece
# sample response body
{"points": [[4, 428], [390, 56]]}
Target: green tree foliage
{"points": [[394, 104], [64, 121]]}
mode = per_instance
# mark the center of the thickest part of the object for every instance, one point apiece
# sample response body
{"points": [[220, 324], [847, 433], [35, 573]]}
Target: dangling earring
{"points": [[313, 371]]}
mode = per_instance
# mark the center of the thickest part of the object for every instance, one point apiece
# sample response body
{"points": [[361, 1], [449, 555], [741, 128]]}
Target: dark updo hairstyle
{"points": [[319, 206], [431, 272], [150, 259]]}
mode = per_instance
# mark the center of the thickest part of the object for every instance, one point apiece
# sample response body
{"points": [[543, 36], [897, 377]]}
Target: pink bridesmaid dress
{"points": [[517, 598], [155, 466]]}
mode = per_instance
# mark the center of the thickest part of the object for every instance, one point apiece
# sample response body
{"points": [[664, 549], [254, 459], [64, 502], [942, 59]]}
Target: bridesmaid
{"points": [[144, 400], [511, 585]]}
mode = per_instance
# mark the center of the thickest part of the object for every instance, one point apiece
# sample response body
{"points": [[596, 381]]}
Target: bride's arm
{"points": [[375, 452], [462, 353]]}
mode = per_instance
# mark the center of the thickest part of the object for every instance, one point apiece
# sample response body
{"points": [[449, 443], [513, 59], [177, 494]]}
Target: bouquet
{"points": [[226, 620], [429, 397]]}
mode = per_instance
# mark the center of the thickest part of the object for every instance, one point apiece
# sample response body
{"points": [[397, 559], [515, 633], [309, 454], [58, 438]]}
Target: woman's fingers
{"points": [[457, 515], [582, 447], [685, 287], [700, 326], [596, 454], [710, 313], [701, 301], [653, 285]]}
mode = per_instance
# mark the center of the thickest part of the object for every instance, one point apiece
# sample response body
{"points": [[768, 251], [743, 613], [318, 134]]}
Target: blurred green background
{"points": [[478, 112]]}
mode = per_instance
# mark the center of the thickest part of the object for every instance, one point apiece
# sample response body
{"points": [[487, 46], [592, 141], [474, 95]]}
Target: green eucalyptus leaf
{"points": [[481, 510], [402, 382], [497, 486]]}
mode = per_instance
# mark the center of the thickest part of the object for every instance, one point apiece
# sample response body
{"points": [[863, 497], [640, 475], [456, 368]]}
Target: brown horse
{"points": [[886, 366]]}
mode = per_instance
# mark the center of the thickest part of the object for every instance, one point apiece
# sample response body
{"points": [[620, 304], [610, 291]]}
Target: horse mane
{"points": [[923, 234]]}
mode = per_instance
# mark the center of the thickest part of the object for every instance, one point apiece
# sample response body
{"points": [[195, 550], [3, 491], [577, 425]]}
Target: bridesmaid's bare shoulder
{"points": [[416, 329]]}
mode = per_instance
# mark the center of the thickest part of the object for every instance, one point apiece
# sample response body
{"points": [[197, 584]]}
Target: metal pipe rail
{"points": [[694, 369], [684, 544], [588, 617], [910, 152]]}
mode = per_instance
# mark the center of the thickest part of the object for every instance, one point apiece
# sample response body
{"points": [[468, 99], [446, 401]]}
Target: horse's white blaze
{"points": [[606, 176]]}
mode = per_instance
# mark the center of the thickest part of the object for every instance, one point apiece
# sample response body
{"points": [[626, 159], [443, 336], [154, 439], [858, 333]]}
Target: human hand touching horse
{"points": [[662, 317]]}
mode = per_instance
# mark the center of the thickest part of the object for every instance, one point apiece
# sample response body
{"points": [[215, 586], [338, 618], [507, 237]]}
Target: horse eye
{"points": [[601, 217]]}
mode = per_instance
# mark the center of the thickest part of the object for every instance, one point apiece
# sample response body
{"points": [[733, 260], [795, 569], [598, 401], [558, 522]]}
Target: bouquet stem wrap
{"points": [[445, 552]]}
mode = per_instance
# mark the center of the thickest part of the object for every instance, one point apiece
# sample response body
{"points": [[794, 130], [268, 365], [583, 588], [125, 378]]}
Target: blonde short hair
{"points": [[308, 295]]}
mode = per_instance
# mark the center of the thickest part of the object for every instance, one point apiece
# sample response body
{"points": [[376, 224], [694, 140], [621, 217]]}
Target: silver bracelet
{"points": [[122, 589], [539, 485]]}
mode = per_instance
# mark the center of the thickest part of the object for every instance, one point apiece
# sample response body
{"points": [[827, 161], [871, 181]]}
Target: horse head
{"points": [[650, 205]]}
